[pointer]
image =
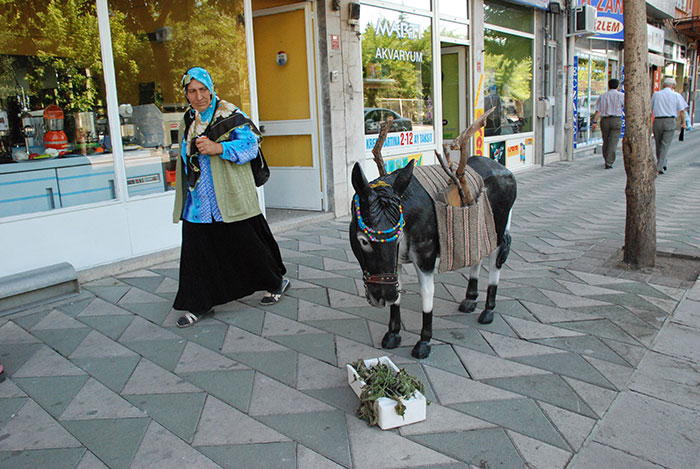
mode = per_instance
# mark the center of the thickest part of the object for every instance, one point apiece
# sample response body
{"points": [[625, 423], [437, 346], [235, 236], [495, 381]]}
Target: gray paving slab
{"points": [[98, 436], [179, 413], [162, 449], [260, 455], [61, 458]]}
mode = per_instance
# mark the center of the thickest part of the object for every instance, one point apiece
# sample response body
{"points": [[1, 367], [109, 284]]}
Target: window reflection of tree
{"points": [[400, 85], [510, 58]]}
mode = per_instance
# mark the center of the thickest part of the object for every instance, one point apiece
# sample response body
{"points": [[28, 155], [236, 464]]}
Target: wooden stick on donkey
{"points": [[439, 220]]}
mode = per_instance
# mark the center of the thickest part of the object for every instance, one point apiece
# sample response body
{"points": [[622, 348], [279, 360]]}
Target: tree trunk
{"points": [[640, 165]]}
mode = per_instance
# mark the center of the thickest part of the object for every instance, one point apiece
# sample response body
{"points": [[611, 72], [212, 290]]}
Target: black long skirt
{"points": [[221, 262]]}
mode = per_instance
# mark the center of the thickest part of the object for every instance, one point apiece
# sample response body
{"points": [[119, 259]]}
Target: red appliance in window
{"points": [[54, 137]]}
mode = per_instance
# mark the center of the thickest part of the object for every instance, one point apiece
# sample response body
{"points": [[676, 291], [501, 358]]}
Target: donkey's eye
{"points": [[364, 242]]}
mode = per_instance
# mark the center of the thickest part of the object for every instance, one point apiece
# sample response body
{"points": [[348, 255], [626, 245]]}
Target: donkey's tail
{"points": [[503, 250]]}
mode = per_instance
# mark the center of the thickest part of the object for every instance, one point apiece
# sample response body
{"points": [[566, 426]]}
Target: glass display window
{"points": [[153, 47], [54, 148], [508, 15], [591, 81], [508, 75], [397, 77]]}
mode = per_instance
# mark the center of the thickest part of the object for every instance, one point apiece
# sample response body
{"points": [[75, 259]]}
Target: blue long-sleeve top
{"points": [[200, 203]]}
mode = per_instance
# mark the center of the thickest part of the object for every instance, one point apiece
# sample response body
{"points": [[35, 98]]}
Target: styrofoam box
{"points": [[388, 418]]}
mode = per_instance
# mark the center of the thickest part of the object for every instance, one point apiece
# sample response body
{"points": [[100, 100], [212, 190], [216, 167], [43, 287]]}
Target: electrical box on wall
{"points": [[582, 20]]}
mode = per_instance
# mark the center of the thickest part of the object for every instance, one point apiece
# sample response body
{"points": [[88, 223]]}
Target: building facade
{"points": [[91, 102]]}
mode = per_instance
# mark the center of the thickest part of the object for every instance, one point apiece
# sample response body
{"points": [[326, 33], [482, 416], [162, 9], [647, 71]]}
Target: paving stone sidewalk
{"points": [[583, 366]]}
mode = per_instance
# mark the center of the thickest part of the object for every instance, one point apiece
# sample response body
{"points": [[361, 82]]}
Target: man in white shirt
{"points": [[666, 106], [610, 106]]}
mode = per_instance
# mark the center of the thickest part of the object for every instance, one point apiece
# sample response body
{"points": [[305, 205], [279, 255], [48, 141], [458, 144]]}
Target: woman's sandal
{"points": [[271, 298], [189, 318]]}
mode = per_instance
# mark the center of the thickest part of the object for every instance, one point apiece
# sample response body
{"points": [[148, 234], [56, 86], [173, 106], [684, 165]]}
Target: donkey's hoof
{"points": [[421, 350], [391, 340], [467, 306], [486, 316]]}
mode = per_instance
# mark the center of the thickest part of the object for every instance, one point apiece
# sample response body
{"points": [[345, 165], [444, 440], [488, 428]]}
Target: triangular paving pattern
{"points": [[521, 415], [539, 454], [154, 312], [507, 347], [57, 320], [43, 458], [97, 345], [144, 283], [316, 374], [550, 314], [533, 330], [443, 419], [32, 428], [308, 311], [149, 378], [329, 439], [179, 413], [263, 455], [160, 448], [111, 326], [272, 397], [280, 365], [250, 320], [108, 293], [11, 333], [136, 295], [197, 358], [354, 329], [482, 366], [113, 372], [64, 341], [234, 387], [468, 337], [95, 401], [585, 345], [321, 346], [165, 353], [140, 329], [100, 307], [46, 362], [451, 389], [373, 448], [563, 300], [601, 328], [211, 334], [548, 388], [488, 446], [277, 325], [52, 393], [221, 424], [598, 398], [574, 427], [98, 436]]}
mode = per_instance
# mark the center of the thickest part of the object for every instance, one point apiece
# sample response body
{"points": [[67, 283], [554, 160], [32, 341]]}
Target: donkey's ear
{"points": [[359, 181], [404, 177]]}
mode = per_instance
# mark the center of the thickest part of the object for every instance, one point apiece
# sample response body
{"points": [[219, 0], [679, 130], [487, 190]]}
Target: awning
{"points": [[689, 27]]}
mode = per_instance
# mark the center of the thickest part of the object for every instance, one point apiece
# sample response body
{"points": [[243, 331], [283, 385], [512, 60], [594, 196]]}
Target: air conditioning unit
{"points": [[582, 20]]}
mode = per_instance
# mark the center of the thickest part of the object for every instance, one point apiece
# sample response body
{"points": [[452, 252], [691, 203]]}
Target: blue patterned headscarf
{"points": [[201, 75]]}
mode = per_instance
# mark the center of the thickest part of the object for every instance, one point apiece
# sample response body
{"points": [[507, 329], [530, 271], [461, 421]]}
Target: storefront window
{"points": [[507, 83], [508, 15], [397, 74], [591, 81], [53, 124], [452, 30], [454, 8], [153, 46]]}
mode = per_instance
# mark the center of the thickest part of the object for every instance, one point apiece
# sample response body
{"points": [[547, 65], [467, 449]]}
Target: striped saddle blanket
{"points": [[467, 234]]}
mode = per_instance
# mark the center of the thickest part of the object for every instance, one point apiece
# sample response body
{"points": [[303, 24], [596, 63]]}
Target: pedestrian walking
{"points": [[610, 109], [666, 106], [228, 250]]}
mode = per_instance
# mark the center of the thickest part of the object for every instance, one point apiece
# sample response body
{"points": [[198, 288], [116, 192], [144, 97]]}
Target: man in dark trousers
{"points": [[610, 108], [666, 106]]}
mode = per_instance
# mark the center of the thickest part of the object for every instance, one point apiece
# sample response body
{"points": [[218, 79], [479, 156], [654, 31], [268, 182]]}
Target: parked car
{"points": [[375, 116]]}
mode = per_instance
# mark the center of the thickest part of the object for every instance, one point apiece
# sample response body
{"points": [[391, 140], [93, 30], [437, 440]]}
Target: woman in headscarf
{"points": [[228, 250]]}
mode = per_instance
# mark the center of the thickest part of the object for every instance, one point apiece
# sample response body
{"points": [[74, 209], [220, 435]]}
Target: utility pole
{"points": [[640, 225]]}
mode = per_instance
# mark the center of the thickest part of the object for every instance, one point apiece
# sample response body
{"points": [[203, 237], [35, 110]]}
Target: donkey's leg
{"points": [[496, 260], [427, 292], [392, 339], [468, 305]]}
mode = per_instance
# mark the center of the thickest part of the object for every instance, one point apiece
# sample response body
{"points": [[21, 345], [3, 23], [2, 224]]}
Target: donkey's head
{"points": [[376, 230]]}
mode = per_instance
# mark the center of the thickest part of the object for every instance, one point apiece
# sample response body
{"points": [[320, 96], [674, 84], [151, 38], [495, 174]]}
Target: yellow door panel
{"points": [[283, 90], [288, 150]]}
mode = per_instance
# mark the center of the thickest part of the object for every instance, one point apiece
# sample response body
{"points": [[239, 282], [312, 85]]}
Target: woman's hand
{"points": [[208, 147]]}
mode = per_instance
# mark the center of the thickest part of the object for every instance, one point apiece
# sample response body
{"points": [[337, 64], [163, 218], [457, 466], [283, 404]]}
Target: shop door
{"points": [[454, 92], [284, 68], [549, 134]]}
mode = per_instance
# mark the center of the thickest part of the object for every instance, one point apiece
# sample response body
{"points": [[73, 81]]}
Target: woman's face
{"points": [[198, 95]]}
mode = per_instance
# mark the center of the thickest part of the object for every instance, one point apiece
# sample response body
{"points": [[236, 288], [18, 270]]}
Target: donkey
{"points": [[394, 222]]}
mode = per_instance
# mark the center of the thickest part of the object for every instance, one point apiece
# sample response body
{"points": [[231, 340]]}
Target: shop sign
{"points": [[401, 30], [609, 24], [574, 93], [398, 162], [655, 39], [411, 138]]}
